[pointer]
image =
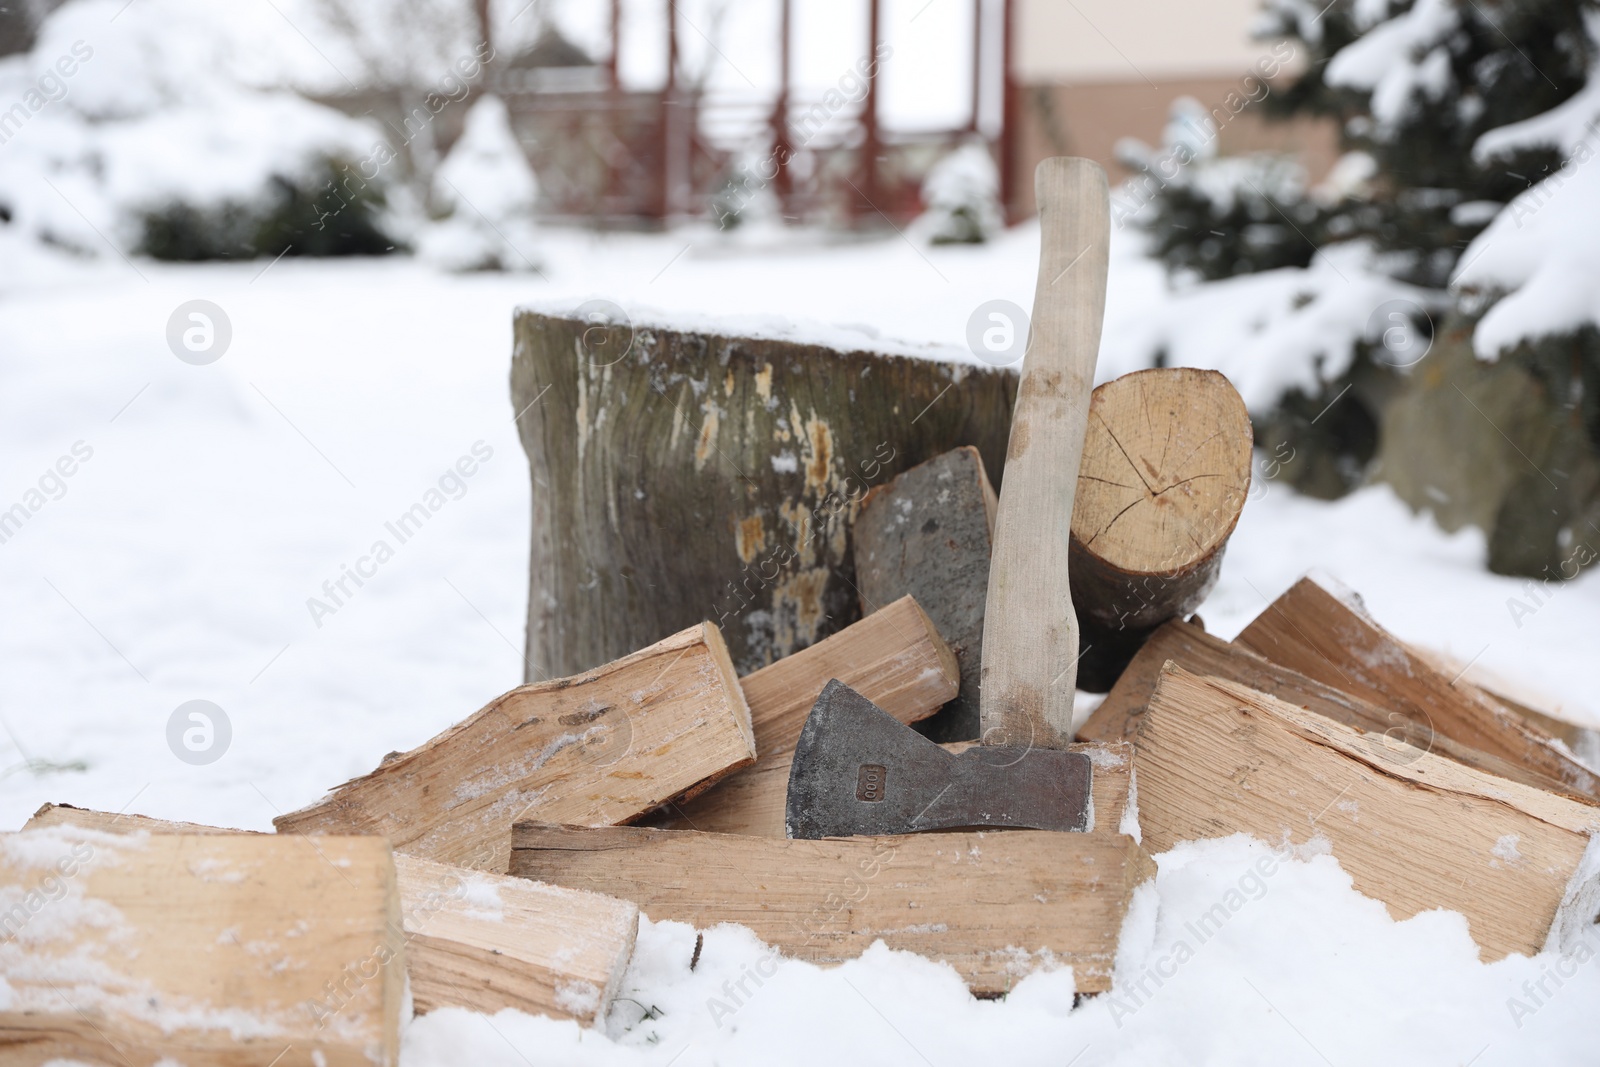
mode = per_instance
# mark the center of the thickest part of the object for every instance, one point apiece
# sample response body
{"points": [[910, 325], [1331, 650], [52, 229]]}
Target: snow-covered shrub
{"points": [[1463, 211], [962, 195], [302, 216], [746, 194], [486, 192], [1216, 217], [176, 132]]}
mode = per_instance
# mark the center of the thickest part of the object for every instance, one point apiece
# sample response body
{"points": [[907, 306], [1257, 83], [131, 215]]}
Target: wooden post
{"points": [[870, 145], [975, 120], [782, 147], [666, 128], [1008, 113], [616, 121], [480, 12], [613, 70]]}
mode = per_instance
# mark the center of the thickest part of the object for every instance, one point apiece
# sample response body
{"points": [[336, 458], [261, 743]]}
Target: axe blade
{"points": [[858, 770]]}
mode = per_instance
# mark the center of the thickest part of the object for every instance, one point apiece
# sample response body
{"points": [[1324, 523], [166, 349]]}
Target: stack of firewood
{"points": [[505, 862]]}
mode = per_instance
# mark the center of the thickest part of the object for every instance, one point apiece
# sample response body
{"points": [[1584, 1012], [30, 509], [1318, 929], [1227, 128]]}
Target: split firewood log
{"points": [[929, 534], [1325, 632], [993, 905], [894, 657], [599, 749], [1411, 828], [1120, 717], [230, 950], [472, 940]]}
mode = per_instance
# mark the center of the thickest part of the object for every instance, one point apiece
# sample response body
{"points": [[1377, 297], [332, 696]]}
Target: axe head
{"points": [[858, 770]]}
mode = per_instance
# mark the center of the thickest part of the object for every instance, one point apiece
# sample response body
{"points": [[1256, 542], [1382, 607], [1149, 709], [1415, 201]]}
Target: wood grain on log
{"points": [[1583, 741], [486, 942], [473, 940], [993, 905], [1412, 829], [1121, 716], [224, 950], [598, 749], [929, 534], [1329, 636], [893, 657], [679, 476], [1165, 474]]}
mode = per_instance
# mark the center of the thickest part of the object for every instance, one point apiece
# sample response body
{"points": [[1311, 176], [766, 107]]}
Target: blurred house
{"points": [[1087, 73], [1045, 77]]}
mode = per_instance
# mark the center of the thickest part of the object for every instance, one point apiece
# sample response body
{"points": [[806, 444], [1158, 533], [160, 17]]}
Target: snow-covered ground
{"points": [[207, 503]]}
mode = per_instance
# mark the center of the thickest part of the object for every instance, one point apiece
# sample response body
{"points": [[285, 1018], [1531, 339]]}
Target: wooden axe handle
{"points": [[1030, 631]]}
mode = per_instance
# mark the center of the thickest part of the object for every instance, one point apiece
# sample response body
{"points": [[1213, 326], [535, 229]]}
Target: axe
{"points": [[856, 769]]}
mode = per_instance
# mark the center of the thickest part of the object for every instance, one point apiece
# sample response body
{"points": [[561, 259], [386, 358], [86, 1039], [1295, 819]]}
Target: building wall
{"points": [[1093, 72], [1077, 41]]}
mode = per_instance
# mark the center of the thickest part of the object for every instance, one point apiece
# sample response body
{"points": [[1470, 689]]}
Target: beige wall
{"points": [[1149, 41], [1092, 72], [1088, 120]]}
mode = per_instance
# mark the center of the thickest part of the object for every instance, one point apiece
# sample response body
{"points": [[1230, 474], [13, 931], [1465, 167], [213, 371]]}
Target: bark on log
{"points": [[1166, 469], [679, 476], [929, 534]]}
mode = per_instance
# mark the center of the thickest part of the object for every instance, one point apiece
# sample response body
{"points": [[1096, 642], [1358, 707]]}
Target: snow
{"points": [[189, 531], [489, 191], [1291, 328], [964, 186], [168, 100], [1399, 59], [1564, 126], [1236, 953], [1506, 849], [1541, 251]]}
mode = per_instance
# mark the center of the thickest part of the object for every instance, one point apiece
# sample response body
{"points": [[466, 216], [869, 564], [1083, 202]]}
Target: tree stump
{"points": [[682, 476], [1166, 469]]}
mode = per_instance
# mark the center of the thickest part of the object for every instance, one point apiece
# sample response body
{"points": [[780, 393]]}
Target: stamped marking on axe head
{"points": [[857, 770]]}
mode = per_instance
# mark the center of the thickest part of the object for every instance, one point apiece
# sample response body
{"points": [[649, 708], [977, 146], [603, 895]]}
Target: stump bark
{"points": [[681, 476], [1165, 474]]}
